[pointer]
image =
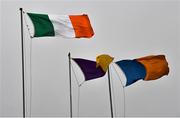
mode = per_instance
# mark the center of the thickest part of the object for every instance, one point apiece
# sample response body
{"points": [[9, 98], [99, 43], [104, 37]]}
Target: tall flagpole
{"points": [[69, 55], [110, 96], [22, 47]]}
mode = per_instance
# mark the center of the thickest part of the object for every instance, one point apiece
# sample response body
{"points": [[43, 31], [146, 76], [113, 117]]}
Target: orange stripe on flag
{"points": [[156, 66], [82, 26]]}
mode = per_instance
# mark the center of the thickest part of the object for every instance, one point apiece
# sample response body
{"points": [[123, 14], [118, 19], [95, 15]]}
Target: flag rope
{"points": [[79, 85], [25, 69], [30, 68], [124, 95], [78, 101], [31, 80], [25, 75]]}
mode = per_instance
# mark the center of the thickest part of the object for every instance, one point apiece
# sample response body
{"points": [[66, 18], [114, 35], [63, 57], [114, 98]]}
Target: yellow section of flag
{"points": [[103, 61]]}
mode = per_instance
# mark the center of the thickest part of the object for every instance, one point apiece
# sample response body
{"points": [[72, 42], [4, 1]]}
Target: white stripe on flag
{"points": [[62, 26], [29, 24]]}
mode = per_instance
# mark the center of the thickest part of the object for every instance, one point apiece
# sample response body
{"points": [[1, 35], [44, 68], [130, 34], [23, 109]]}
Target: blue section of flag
{"points": [[133, 70]]}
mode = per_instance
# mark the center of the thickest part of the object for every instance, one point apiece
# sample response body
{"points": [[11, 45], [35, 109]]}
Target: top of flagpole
{"points": [[69, 54], [21, 9]]}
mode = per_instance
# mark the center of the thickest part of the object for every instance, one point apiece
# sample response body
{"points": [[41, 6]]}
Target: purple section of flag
{"points": [[89, 69]]}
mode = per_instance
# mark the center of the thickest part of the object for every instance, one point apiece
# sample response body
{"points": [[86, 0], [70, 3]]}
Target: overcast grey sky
{"points": [[123, 29]]}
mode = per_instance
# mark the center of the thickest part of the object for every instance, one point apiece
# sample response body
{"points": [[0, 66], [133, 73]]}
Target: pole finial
{"points": [[69, 54], [20, 9]]}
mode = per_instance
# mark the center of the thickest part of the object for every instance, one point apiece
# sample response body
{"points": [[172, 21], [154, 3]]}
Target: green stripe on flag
{"points": [[42, 25]]}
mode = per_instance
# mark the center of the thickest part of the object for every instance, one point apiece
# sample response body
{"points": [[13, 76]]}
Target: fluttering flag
{"points": [[145, 68], [70, 26], [156, 66], [89, 69], [103, 61]]}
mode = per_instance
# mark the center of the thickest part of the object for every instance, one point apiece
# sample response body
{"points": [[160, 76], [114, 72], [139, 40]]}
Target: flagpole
{"points": [[110, 96], [69, 55], [23, 77]]}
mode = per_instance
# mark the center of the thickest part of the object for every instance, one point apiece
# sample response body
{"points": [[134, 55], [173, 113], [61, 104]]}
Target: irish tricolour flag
{"points": [[70, 26]]}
